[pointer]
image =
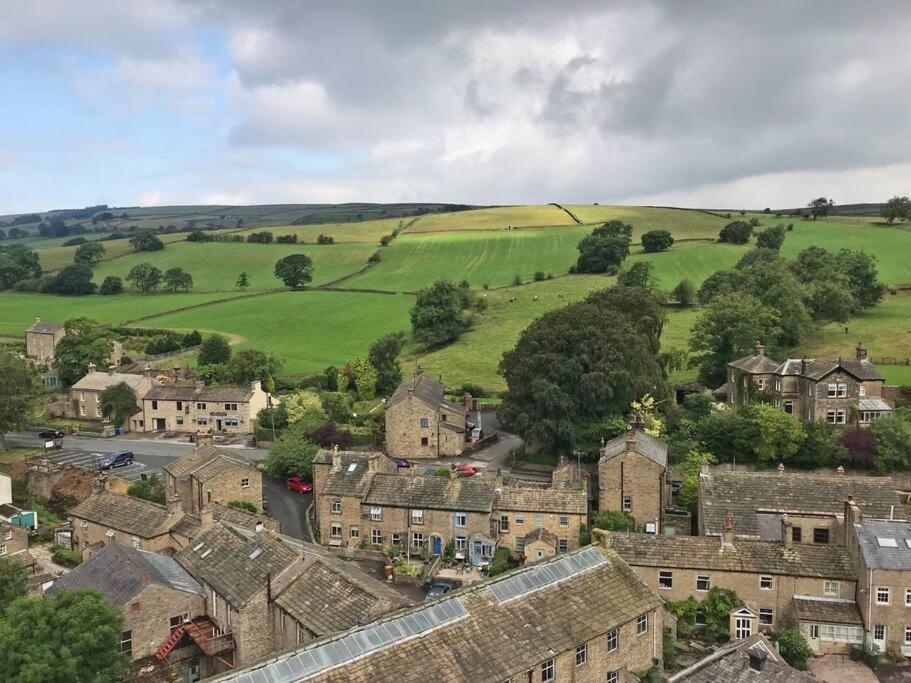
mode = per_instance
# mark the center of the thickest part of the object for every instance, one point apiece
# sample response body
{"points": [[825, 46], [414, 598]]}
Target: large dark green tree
{"points": [[771, 238], [68, 636], [820, 207], [605, 249], [440, 313], [145, 277], [575, 367], [215, 350], [859, 269], [146, 241], [89, 253], [294, 270], [897, 208], [118, 402], [251, 364], [85, 342], [72, 280], [18, 394], [656, 240], [384, 356], [13, 582], [17, 263], [178, 278], [736, 232]]}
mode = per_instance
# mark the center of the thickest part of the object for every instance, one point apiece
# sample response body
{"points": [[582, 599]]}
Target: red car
{"points": [[466, 470], [296, 483]]}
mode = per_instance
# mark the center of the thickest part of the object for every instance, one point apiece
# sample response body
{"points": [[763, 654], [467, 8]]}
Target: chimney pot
{"points": [[759, 348], [110, 369], [336, 458], [861, 351], [781, 468], [727, 533], [841, 470], [92, 368]]}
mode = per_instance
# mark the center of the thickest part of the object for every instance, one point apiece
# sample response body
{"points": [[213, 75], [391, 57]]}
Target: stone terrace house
{"points": [[41, 341], [208, 475], [768, 576], [754, 660], [580, 616], [85, 394], [224, 409], [812, 505], [881, 550], [842, 391], [268, 592], [631, 477], [153, 592], [421, 423], [520, 510]]}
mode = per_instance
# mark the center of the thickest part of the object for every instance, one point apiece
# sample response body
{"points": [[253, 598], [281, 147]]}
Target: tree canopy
{"points": [[214, 350], [72, 280], [575, 367], [89, 253], [118, 402], [291, 453], [771, 238], [656, 240], [17, 263], [294, 270], [605, 249], [736, 232], [146, 241], [441, 313], [384, 356], [145, 277], [898, 207], [820, 207], [178, 278], [85, 342]]}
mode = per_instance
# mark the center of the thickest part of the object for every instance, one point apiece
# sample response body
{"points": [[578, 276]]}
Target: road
{"points": [[151, 456]]}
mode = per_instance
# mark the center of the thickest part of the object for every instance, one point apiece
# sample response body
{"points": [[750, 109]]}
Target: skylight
{"points": [[884, 542], [197, 547], [542, 575], [207, 553], [256, 553], [352, 467]]}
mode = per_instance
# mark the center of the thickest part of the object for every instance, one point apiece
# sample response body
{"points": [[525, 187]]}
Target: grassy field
{"points": [[681, 223], [694, 261], [310, 330], [19, 310], [56, 257], [216, 265], [366, 231], [499, 218]]}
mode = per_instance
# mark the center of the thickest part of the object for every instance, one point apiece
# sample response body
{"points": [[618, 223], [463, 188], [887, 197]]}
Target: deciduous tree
{"points": [[215, 350], [897, 208], [439, 314], [118, 402], [85, 342], [294, 270], [384, 356], [656, 240], [73, 280], [178, 278], [145, 277], [736, 232], [146, 241], [820, 207]]}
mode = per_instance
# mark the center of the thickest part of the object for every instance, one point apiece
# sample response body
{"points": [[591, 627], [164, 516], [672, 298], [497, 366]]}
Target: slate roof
{"points": [[745, 493], [827, 610], [220, 557], [427, 390], [99, 381], [222, 394], [817, 368], [731, 664], [431, 492], [204, 463], [119, 572], [328, 597], [879, 555], [133, 516], [649, 446], [189, 525], [542, 499], [41, 327], [324, 455], [707, 552], [479, 637], [755, 364], [348, 481]]}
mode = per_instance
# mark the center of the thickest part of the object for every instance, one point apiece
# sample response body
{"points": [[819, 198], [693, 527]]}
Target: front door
{"points": [[437, 545], [160, 424], [218, 425], [743, 628], [813, 639], [879, 637]]}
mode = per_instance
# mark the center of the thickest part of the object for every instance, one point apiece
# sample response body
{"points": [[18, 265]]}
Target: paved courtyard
{"points": [[841, 669]]}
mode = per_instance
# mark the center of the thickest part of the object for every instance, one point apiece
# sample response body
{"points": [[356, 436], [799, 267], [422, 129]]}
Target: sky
{"points": [[703, 104]]}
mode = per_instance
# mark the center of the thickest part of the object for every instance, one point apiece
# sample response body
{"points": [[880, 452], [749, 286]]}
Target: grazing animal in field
{"points": [[512, 300], [561, 295], [535, 298]]}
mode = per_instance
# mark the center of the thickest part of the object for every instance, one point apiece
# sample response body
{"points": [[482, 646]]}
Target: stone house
{"points": [[812, 504], [539, 544], [520, 509], [208, 475], [41, 341], [266, 592], [841, 391], [154, 594], [631, 477], [754, 660], [526, 625], [14, 545], [767, 576], [421, 423], [85, 394], [224, 409]]}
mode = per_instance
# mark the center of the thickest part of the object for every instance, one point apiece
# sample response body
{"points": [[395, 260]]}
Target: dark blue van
{"points": [[121, 459]]}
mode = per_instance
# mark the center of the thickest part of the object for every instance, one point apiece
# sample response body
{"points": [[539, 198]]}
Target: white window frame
{"points": [[8, 536], [831, 588], [907, 635], [641, 624], [766, 583], [668, 577], [460, 543], [424, 422], [612, 677], [376, 514], [520, 519], [706, 579], [335, 530], [879, 632], [126, 642], [2, 549], [354, 532], [461, 520], [861, 389], [883, 595], [418, 540], [548, 671], [613, 640], [841, 633], [581, 654], [564, 520], [417, 516], [335, 507], [769, 614], [245, 483], [539, 520], [520, 544], [137, 542], [376, 536], [908, 597], [84, 525], [562, 545], [627, 504]]}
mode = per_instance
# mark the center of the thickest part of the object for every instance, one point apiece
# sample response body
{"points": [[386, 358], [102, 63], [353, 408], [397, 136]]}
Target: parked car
{"points": [[298, 484], [120, 459], [437, 589], [466, 470], [401, 462], [50, 433]]}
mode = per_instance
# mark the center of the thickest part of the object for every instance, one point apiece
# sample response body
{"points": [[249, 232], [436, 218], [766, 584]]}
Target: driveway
{"points": [[841, 669]]}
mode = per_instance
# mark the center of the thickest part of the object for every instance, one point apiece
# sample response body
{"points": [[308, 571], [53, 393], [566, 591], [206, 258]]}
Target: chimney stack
{"points": [[787, 535], [453, 474], [803, 366], [174, 505], [203, 438], [110, 369], [200, 385], [92, 368], [101, 483], [840, 470], [781, 468], [147, 371], [727, 534], [861, 351], [853, 514], [336, 458], [759, 348]]}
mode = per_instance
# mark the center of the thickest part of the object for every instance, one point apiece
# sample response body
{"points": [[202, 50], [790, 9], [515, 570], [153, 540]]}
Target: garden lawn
{"points": [[309, 330], [498, 218], [474, 358], [19, 310], [366, 231], [681, 223], [414, 261], [216, 265]]}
